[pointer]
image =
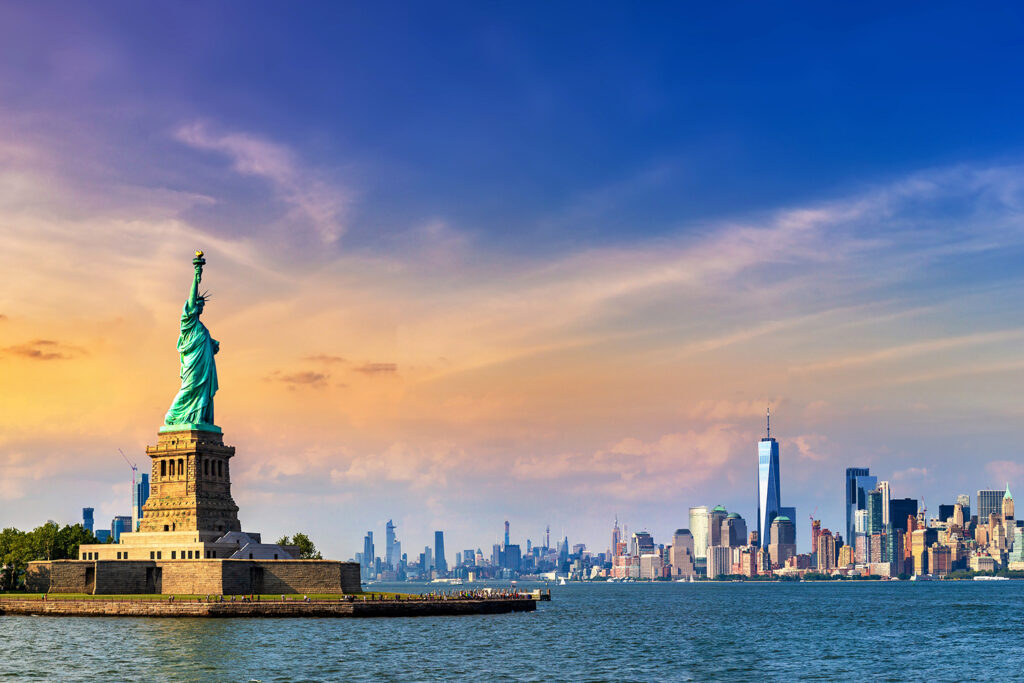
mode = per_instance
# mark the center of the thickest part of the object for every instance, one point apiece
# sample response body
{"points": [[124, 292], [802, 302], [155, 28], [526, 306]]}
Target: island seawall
{"points": [[290, 608]]}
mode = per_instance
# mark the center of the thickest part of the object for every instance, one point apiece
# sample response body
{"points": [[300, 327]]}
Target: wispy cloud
{"points": [[320, 202], [294, 379], [45, 349], [376, 368]]}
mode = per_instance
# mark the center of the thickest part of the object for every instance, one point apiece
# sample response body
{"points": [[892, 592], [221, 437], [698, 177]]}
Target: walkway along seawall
{"points": [[291, 608]]}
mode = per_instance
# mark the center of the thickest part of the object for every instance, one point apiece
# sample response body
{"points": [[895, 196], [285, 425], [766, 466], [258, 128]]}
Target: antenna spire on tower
{"points": [[768, 417]]}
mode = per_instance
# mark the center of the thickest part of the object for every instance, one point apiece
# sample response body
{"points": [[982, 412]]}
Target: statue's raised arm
{"points": [[193, 406]]}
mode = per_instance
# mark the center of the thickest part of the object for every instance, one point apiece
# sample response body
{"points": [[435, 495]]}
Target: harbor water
{"points": [[588, 632]]}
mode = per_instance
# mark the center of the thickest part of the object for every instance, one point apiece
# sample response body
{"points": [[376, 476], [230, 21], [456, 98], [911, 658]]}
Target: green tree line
{"points": [[46, 542]]}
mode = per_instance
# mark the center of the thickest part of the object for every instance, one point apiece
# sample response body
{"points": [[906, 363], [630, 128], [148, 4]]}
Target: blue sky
{"points": [[562, 256]]}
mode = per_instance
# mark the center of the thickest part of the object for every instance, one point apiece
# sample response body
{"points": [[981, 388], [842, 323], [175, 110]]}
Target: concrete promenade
{"points": [[266, 608]]}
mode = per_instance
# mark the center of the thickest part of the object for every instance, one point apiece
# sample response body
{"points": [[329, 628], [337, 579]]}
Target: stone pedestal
{"points": [[190, 485]]}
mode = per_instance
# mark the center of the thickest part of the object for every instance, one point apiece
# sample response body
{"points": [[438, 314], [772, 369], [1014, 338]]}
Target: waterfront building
{"points": [[440, 563], [990, 501], [858, 483], [983, 563], [699, 529], [719, 561], [826, 551], [920, 541], [939, 560], [764, 561], [815, 533], [845, 559], [878, 547], [140, 494], [1015, 559], [783, 544], [681, 554], [747, 564], [87, 519], [861, 549], [769, 495], [651, 566], [900, 509], [121, 524]]}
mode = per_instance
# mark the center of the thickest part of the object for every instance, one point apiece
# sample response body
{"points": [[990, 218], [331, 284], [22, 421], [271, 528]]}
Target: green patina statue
{"points": [[193, 406]]}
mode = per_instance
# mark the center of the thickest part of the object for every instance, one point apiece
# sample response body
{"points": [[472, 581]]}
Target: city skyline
{"points": [[469, 272]]}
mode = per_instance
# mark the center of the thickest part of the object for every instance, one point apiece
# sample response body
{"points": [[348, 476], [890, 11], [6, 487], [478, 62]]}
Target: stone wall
{"points": [[292, 608], [194, 577]]}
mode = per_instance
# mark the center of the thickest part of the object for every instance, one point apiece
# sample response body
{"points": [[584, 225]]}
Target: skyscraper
{"points": [[616, 535], [783, 545], [87, 519], [367, 557], [119, 525], [506, 532], [964, 500], [899, 510], [858, 483], [140, 494], [440, 563], [715, 519], [883, 486], [875, 509], [389, 546], [681, 556], [768, 491], [989, 501], [699, 529]]}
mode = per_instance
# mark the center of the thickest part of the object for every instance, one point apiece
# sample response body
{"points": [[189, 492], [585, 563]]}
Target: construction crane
{"points": [[135, 471]]}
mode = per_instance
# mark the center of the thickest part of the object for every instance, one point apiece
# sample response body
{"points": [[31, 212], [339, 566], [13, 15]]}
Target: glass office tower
{"points": [[768, 495], [858, 483]]}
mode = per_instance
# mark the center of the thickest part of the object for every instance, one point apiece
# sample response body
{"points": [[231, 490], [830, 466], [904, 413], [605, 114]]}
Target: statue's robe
{"points": [[194, 402]]}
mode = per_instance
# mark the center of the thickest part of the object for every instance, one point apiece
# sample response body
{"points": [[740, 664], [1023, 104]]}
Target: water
{"points": [[594, 632]]}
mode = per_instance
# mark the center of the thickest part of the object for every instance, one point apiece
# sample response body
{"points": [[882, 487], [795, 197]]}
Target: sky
{"points": [[540, 262]]}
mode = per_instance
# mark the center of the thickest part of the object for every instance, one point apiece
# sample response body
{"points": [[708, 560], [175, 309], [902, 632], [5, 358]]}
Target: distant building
{"points": [[717, 515], [964, 501], [651, 566], [121, 524], [366, 560], [102, 535], [1007, 507], [390, 559], [643, 543], [681, 556], [616, 535], [826, 551], [990, 501], [876, 506], [699, 529], [845, 559], [899, 510], [140, 494], [768, 488], [733, 531], [858, 483], [883, 486], [506, 532], [783, 545], [440, 563], [939, 560], [87, 519], [719, 561]]}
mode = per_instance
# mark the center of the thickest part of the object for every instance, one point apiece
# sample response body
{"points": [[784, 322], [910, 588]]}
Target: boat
{"points": [[561, 582], [991, 578]]}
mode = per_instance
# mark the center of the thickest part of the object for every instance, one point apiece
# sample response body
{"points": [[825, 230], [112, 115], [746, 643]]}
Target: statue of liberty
{"points": [[193, 406]]}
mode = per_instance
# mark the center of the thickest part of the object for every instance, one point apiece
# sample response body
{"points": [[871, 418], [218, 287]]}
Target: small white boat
{"points": [[561, 582]]}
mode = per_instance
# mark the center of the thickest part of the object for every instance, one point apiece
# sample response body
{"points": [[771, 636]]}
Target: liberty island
{"points": [[190, 540]]}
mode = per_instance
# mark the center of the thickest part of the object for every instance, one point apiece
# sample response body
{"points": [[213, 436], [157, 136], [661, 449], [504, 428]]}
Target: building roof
{"points": [[732, 515], [1007, 494], [783, 518], [680, 532], [719, 508]]}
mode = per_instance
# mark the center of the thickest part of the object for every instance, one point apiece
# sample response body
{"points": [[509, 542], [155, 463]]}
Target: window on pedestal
{"points": [[163, 468], [206, 466], [181, 467], [220, 468]]}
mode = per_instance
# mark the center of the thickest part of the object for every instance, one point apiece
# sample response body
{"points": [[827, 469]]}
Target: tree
{"points": [[307, 550]]}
